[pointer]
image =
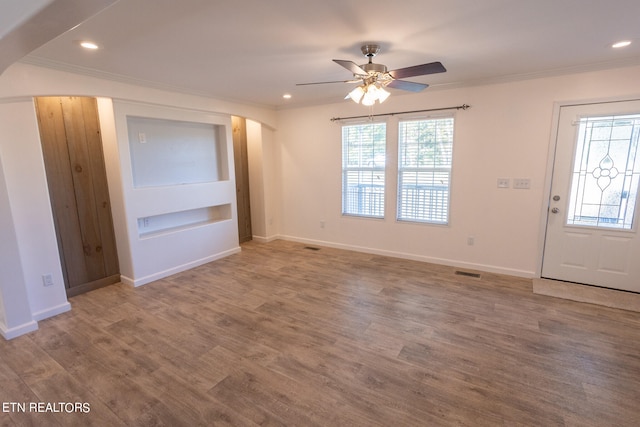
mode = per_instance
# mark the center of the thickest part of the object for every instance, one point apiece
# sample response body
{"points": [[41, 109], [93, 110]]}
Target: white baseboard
{"points": [[414, 257], [11, 333], [261, 239], [127, 280], [53, 311], [180, 268]]}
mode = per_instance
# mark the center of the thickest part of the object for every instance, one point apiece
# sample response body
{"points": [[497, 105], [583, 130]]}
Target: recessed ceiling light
{"points": [[88, 45], [623, 43], [287, 96]]}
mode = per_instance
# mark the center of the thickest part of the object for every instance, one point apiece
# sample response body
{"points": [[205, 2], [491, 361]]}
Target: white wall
{"points": [[255, 163], [264, 181], [506, 133], [15, 317], [29, 203], [271, 171]]}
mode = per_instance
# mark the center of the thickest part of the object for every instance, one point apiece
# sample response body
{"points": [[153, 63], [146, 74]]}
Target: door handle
{"points": [[555, 210]]}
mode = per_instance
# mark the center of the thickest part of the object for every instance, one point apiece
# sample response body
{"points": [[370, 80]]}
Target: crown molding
{"points": [[121, 78]]}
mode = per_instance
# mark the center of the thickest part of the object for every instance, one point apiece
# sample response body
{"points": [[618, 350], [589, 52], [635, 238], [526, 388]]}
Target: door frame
{"points": [[551, 155]]}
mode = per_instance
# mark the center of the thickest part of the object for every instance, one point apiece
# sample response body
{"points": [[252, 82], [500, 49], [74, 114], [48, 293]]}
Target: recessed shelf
{"points": [[172, 222], [172, 152]]}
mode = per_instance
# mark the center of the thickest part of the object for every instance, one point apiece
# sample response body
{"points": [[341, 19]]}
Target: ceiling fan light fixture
{"points": [[356, 94], [370, 96], [382, 94], [368, 101]]}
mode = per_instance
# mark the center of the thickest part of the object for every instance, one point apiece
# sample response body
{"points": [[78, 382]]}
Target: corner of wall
{"points": [[34, 251], [15, 313], [15, 332]]}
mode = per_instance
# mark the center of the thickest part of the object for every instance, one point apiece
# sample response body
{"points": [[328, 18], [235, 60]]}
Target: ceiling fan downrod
{"points": [[371, 50]]}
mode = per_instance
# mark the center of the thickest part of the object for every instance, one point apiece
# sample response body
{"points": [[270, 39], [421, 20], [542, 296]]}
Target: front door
{"points": [[592, 226]]}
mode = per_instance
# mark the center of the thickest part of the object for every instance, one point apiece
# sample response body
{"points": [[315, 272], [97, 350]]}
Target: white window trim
{"points": [[400, 170], [382, 169]]}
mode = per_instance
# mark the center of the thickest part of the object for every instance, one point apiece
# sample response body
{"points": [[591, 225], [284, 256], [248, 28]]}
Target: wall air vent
{"points": [[467, 273]]}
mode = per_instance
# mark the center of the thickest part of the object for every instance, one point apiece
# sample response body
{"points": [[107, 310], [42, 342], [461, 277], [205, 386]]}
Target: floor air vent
{"points": [[311, 248], [468, 274]]}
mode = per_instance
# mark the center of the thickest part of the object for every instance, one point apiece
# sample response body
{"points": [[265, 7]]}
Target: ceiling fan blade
{"points": [[323, 83], [418, 70], [351, 66], [405, 85]]}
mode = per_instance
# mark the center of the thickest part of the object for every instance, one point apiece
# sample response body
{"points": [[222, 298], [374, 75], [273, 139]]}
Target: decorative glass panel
{"points": [[606, 171]]}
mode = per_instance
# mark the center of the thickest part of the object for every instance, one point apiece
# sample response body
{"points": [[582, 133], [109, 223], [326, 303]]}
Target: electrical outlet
{"points": [[47, 280], [321, 224], [471, 240]]}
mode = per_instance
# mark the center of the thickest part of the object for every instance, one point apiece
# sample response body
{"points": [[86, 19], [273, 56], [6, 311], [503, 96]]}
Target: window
{"points": [[363, 168], [606, 172], [424, 170]]}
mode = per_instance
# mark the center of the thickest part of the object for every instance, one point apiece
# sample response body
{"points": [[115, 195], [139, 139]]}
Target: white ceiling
{"points": [[254, 51], [28, 24]]}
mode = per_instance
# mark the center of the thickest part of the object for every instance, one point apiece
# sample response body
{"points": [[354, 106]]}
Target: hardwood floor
{"points": [[283, 335]]}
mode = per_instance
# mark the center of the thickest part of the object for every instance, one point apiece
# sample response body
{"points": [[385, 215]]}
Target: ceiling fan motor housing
{"points": [[372, 68]]}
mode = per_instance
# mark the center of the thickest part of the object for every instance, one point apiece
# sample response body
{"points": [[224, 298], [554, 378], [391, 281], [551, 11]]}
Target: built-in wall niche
{"points": [[177, 221], [171, 152]]}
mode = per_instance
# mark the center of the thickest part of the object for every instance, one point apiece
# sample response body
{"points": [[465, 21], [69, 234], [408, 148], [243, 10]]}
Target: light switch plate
{"points": [[503, 182], [522, 183]]}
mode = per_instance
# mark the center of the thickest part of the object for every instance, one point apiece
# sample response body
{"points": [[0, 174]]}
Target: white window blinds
{"points": [[363, 169], [424, 169]]}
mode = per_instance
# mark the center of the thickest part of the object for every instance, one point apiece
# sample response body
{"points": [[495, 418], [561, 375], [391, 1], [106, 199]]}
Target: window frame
{"points": [[375, 167], [578, 184], [401, 205]]}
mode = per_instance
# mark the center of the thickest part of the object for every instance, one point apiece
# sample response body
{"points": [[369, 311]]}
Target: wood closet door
{"points": [[74, 163], [241, 163]]}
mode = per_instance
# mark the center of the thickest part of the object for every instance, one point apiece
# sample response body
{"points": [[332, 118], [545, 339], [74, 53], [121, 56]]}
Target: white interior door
{"points": [[592, 226]]}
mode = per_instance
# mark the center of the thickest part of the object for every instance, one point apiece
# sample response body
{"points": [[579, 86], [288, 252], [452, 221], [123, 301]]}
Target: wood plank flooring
{"points": [[282, 335]]}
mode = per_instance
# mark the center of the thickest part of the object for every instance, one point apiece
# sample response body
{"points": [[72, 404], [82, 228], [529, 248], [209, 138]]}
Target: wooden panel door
{"points": [[74, 162], [241, 163]]}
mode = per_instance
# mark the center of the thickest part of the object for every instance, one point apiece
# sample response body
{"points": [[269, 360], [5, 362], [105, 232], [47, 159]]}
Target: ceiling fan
{"points": [[375, 77]]}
